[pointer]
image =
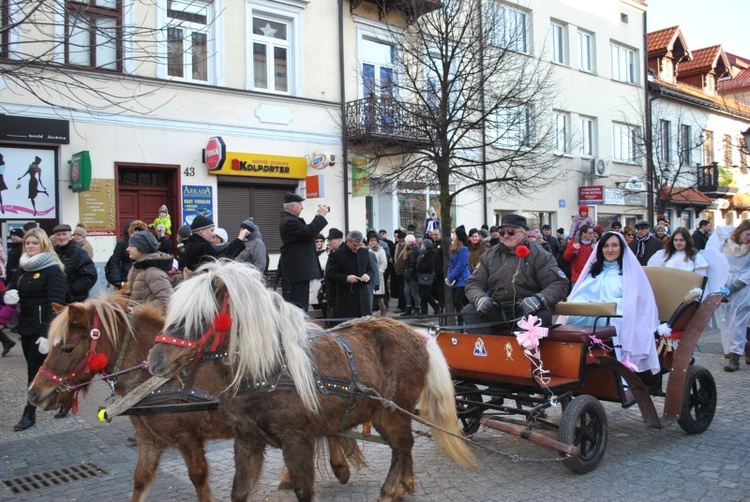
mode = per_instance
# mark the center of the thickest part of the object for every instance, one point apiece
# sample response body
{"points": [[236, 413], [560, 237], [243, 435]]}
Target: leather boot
{"points": [[62, 413], [733, 364], [7, 343], [27, 420], [383, 307], [406, 312], [747, 353]]}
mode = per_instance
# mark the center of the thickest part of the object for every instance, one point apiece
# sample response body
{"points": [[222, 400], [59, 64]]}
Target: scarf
{"points": [[640, 249], [738, 250], [37, 262]]}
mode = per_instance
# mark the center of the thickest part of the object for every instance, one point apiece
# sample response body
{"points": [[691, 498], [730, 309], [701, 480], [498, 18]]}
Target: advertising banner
{"points": [[197, 199], [96, 208], [360, 177], [28, 183]]}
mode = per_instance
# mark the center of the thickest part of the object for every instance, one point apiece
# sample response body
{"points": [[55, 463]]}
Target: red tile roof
{"points": [[659, 41], [738, 82], [704, 60], [685, 195]]}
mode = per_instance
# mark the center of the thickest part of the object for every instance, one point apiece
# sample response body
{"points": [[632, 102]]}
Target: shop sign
{"points": [[197, 199], [319, 160], [96, 207], [29, 176], [360, 177], [80, 171], [215, 153], [620, 197], [260, 165], [591, 195], [32, 130], [315, 186]]}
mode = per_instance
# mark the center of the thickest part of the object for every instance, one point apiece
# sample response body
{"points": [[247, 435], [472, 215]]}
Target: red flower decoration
{"points": [[97, 362], [522, 251], [222, 322]]}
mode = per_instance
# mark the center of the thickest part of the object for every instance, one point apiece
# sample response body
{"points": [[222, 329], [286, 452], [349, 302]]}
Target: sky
{"points": [[705, 22]]}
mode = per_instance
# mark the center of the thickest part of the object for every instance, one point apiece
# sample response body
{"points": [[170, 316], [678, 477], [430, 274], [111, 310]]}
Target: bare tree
{"points": [[98, 55], [465, 107]]}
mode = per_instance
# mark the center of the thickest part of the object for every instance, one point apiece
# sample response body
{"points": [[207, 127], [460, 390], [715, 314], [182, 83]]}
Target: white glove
{"points": [[43, 345], [11, 297], [483, 304]]}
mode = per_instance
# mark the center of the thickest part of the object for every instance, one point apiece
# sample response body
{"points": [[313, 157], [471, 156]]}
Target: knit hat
{"points": [[461, 234], [28, 226], [221, 234], [484, 233], [80, 231], [144, 241], [163, 209], [372, 233], [616, 223], [184, 231], [18, 232], [583, 208], [249, 224], [531, 233], [410, 239], [427, 243], [200, 223]]}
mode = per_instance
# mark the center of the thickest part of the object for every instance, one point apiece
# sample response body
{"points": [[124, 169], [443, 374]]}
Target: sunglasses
{"points": [[630, 235], [509, 233]]}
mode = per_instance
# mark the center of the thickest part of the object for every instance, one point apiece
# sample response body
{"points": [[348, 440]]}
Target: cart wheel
{"points": [[468, 405], [584, 424], [698, 400]]}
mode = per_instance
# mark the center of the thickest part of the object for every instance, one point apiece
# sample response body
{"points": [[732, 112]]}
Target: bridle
{"points": [[218, 330], [83, 365]]}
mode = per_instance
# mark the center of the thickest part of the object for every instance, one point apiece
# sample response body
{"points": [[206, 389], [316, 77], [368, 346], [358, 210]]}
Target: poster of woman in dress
{"points": [[31, 172]]}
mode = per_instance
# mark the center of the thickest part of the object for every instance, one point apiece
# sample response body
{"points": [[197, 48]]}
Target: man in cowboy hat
{"points": [[508, 284], [299, 261]]}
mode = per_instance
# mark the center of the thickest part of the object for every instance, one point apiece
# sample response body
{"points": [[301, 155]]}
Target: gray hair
{"points": [[355, 236], [288, 205]]}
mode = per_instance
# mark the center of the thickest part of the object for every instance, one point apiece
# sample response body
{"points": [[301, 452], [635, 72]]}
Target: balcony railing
{"points": [[387, 121], [708, 177], [412, 9]]}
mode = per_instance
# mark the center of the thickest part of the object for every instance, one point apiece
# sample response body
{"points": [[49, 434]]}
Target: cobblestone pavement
{"points": [[640, 463]]}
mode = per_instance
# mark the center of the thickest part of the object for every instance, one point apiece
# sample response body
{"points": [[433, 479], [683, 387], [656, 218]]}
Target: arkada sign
{"points": [[260, 165]]}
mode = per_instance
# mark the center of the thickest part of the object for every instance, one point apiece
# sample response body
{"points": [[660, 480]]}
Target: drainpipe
{"points": [[648, 136], [344, 130]]}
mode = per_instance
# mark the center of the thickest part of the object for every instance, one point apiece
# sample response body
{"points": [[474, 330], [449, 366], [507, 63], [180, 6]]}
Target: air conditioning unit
{"points": [[599, 168]]}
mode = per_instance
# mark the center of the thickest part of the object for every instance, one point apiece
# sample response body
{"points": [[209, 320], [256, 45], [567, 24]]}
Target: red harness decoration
{"points": [[220, 326]]}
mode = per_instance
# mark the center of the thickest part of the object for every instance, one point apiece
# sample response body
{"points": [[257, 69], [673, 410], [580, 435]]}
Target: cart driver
{"points": [[514, 279]]}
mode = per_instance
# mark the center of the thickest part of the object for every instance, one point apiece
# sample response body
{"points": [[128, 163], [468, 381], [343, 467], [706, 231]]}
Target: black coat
{"points": [[117, 267], [199, 251], [410, 270], [79, 270], [699, 239], [653, 244], [15, 250], [298, 256], [352, 299], [36, 291], [426, 262]]}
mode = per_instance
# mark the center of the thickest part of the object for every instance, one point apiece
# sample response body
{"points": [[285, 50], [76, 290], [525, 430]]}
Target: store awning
{"points": [[685, 196]]}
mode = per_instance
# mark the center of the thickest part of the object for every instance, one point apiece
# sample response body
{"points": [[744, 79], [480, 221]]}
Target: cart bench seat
{"points": [[580, 334]]}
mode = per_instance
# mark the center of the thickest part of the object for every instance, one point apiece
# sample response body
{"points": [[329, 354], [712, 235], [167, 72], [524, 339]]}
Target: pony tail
{"points": [[292, 328], [438, 405]]}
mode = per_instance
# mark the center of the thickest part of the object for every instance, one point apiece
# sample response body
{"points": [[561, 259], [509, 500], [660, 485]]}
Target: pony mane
{"points": [[111, 309], [267, 335]]}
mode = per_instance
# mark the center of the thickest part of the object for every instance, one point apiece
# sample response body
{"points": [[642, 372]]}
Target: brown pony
{"points": [[333, 376], [70, 340]]}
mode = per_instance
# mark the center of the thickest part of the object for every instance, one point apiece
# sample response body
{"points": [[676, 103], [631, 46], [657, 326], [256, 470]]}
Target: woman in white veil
{"points": [[612, 275]]}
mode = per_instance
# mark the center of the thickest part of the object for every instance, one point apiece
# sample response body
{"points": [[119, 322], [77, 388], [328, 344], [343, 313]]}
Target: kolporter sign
{"points": [[263, 166]]}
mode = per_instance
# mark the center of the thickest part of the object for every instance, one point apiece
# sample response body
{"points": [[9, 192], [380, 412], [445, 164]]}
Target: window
{"points": [[587, 137], [665, 142], [708, 147], [514, 127], [558, 38], [188, 39], [562, 132], [94, 35], [271, 52], [510, 28], [414, 196], [625, 143], [586, 49], [435, 77], [624, 64], [727, 150], [686, 145]]}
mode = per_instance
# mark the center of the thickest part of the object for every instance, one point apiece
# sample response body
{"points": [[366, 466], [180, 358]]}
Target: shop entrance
{"points": [[142, 189]]}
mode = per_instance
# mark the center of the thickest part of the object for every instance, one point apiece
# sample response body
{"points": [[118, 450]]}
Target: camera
{"points": [[328, 208]]}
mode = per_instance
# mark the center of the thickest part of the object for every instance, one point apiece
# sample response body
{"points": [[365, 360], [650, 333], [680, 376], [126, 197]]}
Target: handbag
{"points": [[426, 279]]}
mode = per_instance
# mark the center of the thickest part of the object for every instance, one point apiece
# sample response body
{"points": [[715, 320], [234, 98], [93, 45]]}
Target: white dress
{"points": [[735, 315], [679, 260]]}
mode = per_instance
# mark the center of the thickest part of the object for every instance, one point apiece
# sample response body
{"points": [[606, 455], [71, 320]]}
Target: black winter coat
{"points": [[117, 267], [426, 263], [298, 256], [15, 250], [36, 291], [199, 251], [352, 299], [410, 270], [79, 270]]}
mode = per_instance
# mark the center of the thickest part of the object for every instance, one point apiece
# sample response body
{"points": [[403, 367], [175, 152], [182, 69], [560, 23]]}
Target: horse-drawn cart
{"points": [[496, 383]]}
